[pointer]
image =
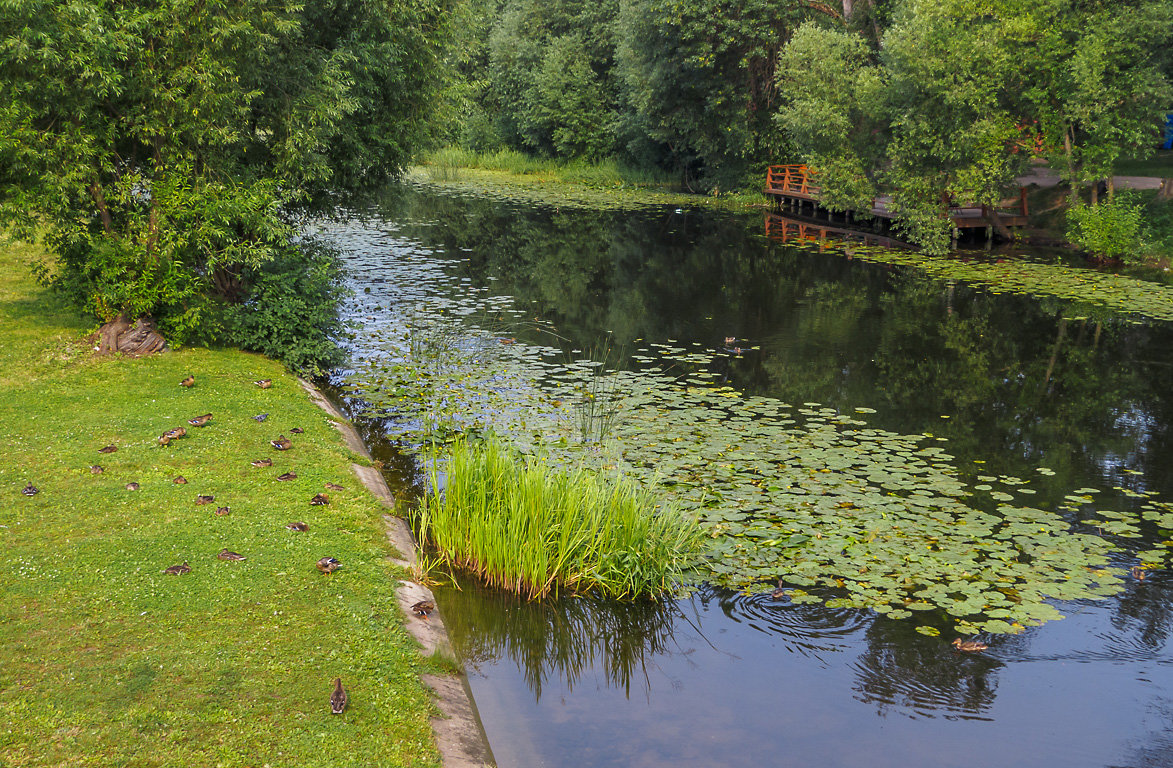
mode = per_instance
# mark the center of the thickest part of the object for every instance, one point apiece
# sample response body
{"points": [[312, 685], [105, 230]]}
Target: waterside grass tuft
{"points": [[106, 659], [525, 526]]}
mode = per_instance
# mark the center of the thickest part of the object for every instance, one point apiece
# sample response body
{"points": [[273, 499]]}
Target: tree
{"points": [[961, 89], [164, 148], [699, 78]]}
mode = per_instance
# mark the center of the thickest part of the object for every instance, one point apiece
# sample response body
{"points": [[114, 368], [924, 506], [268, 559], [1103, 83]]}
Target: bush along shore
{"points": [[161, 605]]}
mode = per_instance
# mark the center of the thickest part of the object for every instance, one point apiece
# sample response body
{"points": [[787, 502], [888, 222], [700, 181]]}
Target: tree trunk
{"points": [[1166, 190], [140, 339], [847, 9], [1070, 166]]}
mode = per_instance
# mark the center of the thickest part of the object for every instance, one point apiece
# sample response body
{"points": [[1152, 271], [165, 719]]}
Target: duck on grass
{"points": [[523, 525]]}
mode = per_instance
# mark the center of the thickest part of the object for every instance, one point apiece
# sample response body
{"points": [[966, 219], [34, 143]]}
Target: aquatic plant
{"points": [[839, 510], [523, 525]]}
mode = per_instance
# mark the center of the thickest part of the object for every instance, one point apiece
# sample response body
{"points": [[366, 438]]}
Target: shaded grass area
{"points": [[1159, 164], [522, 525], [106, 660], [605, 184]]}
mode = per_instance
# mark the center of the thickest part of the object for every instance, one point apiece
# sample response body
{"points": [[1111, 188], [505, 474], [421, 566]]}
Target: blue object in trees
{"points": [[1168, 132]]}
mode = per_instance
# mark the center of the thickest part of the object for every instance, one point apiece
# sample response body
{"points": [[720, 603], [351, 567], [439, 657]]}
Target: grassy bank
{"points": [[107, 660], [605, 184], [526, 527]]}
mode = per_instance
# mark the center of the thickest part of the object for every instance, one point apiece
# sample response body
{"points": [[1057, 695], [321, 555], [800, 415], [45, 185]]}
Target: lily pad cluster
{"points": [[802, 494]]}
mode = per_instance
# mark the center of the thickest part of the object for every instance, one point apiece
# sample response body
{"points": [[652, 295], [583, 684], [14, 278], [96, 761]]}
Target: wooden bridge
{"points": [[793, 187]]}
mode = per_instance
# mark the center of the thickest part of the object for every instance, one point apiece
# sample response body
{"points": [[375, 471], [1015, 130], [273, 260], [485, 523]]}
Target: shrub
{"points": [[1113, 229], [288, 309]]}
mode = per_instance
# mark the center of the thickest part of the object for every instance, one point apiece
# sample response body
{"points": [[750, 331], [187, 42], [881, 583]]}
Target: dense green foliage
{"points": [[953, 98], [163, 149], [687, 88], [524, 525]]}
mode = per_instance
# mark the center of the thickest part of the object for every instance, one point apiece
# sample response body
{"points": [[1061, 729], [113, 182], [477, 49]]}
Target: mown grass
{"points": [[1160, 163], [107, 661], [524, 526]]}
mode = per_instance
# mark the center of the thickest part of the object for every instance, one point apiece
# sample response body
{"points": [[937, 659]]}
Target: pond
{"points": [[914, 452]]}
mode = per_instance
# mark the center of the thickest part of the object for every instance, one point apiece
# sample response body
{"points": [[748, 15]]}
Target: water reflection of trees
{"points": [[915, 674], [1017, 377], [559, 639]]}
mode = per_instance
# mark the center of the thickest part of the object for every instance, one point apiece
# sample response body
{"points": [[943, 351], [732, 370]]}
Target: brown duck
{"points": [[188, 382], [205, 499], [338, 697], [132, 486], [30, 490], [263, 463], [222, 511], [181, 480], [423, 608], [328, 565], [96, 469], [282, 443], [175, 570], [287, 476], [200, 421], [335, 487], [226, 555], [320, 500], [969, 646], [296, 431], [298, 527], [108, 449], [264, 383]]}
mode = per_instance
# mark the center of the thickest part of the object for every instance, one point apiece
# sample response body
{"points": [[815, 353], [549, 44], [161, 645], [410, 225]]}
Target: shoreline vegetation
{"points": [[526, 526], [232, 663], [612, 184]]}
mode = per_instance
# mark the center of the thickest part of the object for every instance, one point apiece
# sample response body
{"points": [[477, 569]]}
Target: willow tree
{"points": [[163, 149]]}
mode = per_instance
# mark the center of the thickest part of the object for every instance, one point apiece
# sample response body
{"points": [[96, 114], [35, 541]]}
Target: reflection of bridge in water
{"points": [[793, 188], [788, 230]]}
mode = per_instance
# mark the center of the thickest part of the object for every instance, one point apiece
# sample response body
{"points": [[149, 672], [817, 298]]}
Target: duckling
{"points": [[96, 469], [108, 449], [423, 608], [260, 417], [188, 382], [338, 697], [969, 646], [164, 440], [282, 443], [335, 487], [222, 511], [132, 486], [201, 499], [264, 383], [729, 340], [226, 555], [328, 565], [30, 490], [175, 570], [287, 476], [296, 431], [181, 480], [262, 463], [1138, 573], [298, 527], [200, 421], [320, 500]]}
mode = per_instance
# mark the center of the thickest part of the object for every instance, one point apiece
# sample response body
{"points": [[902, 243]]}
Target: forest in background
{"points": [[927, 100]]}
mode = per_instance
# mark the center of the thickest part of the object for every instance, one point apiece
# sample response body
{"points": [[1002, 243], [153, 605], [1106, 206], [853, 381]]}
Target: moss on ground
{"points": [[105, 659]]}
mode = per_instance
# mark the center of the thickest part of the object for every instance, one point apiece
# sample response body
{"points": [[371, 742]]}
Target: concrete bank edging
{"points": [[460, 737]]}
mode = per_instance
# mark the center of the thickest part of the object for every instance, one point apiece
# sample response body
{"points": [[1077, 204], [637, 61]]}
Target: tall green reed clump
{"points": [[522, 525]]}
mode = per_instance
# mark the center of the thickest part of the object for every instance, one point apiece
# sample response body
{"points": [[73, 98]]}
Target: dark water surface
{"points": [[1013, 382]]}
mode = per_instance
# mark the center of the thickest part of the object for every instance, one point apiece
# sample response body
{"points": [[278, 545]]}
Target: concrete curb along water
{"points": [[460, 737]]}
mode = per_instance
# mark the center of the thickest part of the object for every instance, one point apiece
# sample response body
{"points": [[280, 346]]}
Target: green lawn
{"points": [[106, 660], [1160, 164]]}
